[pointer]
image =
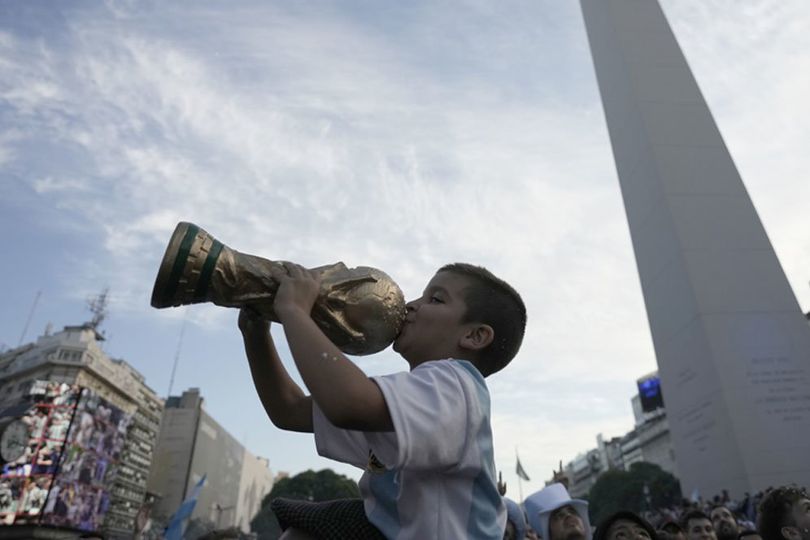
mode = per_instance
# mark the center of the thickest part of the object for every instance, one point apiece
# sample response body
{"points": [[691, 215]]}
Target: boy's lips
{"points": [[402, 330]]}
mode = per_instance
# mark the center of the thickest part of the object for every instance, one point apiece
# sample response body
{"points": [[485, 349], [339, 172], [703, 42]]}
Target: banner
{"points": [[25, 482]]}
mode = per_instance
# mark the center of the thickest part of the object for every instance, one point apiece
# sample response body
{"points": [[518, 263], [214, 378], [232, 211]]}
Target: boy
{"points": [[423, 437]]}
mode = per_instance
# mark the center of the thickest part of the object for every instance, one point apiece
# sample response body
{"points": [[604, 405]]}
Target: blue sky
{"points": [[388, 134]]}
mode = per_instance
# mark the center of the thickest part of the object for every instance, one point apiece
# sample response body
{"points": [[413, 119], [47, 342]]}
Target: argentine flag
{"points": [[175, 529]]}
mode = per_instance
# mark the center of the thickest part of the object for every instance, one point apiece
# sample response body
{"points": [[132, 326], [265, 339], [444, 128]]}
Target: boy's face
{"points": [[433, 328]]}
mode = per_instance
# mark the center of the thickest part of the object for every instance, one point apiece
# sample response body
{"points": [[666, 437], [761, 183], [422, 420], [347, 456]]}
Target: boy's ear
{"points": [[477, 337]]}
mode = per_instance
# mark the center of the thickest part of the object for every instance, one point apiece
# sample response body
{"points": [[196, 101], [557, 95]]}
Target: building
{"points": [[649, 441], [192, 445], [74, 356]]}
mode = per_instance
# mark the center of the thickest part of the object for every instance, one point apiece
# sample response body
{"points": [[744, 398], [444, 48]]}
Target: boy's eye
{"points": [[436, 300]]}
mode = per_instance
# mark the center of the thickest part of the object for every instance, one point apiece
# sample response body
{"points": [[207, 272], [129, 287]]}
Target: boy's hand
{"points": [[297, 291], [251, 323]]}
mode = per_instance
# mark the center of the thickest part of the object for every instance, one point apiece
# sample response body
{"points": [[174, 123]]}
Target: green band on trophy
{"points": [[207, 270], [179, 263]]}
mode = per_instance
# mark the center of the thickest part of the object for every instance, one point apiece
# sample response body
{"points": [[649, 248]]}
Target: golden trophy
{"points": [[361, 310]]}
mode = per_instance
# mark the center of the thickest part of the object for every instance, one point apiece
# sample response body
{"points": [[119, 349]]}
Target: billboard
{"points": [[26, 480], [64, 476], [649, 392]]}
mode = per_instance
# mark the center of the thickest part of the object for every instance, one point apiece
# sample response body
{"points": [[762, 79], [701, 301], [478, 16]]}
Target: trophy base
{"points": [[185, 272]]}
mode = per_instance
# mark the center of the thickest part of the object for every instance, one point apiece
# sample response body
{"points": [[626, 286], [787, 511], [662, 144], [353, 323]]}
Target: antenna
{"points": [[98, 307], [177, 353], [30, 314]]}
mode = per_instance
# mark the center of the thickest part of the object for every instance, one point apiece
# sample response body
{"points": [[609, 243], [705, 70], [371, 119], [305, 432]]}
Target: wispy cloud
{"points": [[402, 137]]}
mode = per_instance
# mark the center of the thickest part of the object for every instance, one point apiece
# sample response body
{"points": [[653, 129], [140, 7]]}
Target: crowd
{"points": [[777, 514]]}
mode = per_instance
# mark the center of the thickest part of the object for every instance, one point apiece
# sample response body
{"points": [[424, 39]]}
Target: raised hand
{"points": [[251, 323], [298, 290]]}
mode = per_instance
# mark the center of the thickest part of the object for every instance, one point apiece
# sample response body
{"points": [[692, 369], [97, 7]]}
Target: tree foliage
{"points": [[324, 485], [624, 490]]}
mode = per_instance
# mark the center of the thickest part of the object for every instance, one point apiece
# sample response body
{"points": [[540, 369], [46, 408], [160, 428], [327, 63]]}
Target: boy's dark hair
{"points": [[693, 514], [492, 301], [776, 511]]}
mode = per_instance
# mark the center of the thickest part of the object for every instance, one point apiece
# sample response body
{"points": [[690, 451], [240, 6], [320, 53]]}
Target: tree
{"points": [[625, 490], [325, 485]]}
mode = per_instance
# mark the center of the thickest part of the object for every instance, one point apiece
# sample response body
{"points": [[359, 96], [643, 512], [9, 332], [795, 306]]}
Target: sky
{"points": [[399, 135]]}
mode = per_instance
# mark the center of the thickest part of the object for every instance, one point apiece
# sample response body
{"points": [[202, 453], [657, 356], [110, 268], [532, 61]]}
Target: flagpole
{"points": [[520, 489]]}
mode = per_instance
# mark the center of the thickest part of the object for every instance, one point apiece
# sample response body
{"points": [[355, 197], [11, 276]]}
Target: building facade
{"points": [[74, 356], [649, 441], [192, 445]]}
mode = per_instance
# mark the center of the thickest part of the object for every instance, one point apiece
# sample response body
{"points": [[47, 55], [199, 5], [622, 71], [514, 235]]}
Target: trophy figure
{"points": [[361, 310]]}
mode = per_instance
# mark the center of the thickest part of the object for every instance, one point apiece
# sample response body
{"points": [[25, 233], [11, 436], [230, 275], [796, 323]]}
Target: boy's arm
{"points": [[347, 397], [283, 400]]}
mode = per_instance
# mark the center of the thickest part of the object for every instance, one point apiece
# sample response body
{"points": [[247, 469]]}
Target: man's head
{"points": [[698, 526], [515, 521], [725, 526], [464, 312], [625, 526], [556, 516], [565, 523], [670, 530], [784, 514]]}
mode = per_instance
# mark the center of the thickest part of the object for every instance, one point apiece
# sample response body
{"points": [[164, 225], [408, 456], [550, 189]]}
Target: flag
{"points": [[175, 529], [520, 471]]}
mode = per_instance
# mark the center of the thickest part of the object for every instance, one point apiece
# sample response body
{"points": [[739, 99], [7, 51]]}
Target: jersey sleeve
{"points": [[432, 408], [344, 445]]}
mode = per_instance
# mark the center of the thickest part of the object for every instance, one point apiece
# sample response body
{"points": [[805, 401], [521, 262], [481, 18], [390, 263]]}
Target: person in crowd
{"points": [[698, 526], [725, 526], [747, 509], [467, 325], [515, 521], [784, 514], [749, 534], [671, 530], [554, 515], [625, 526], [741, 516]]}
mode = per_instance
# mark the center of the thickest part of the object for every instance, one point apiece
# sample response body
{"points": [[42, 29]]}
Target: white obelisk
{"points": [[732, 345]]}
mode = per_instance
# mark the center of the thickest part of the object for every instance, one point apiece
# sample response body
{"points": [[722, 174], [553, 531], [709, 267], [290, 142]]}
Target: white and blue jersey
{"points": [[434, 475]]}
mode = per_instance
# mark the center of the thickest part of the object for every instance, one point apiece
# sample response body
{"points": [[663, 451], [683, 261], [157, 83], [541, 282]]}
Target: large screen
{"points": [[649, 391], [79, 496], [64, 476], [26, 481]]}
